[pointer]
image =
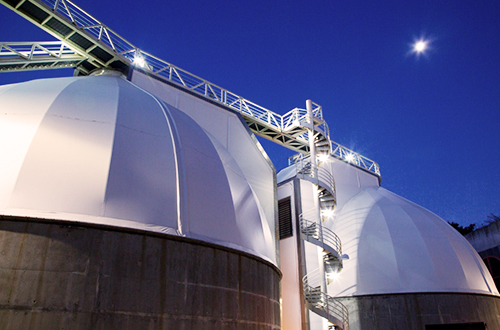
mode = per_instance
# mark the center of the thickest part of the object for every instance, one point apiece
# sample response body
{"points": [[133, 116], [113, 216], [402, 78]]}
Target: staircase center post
{"points": [[312, 146], [314, 171]]}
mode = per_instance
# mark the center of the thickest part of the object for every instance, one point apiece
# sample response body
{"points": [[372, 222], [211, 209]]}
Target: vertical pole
{"points": [[314, 170], [312, 147]]}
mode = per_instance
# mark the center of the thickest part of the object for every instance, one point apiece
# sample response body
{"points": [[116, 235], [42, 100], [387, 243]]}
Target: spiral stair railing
{"points": [[313, 232], [316, 234], [323, 304], [322, 178]]}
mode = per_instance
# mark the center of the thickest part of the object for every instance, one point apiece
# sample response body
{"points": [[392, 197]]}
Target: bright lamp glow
{"points": [[328, 213], [420, 46], [139, 61], [323, 157], [349, 158], [334, 276]]}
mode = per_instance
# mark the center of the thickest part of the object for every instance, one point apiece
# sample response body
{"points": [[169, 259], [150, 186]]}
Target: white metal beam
{"points": [[23, 56]]}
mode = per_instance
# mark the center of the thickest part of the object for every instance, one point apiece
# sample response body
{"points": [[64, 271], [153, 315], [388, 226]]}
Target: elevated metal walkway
{"points": [[22, 56], [87, 44]]}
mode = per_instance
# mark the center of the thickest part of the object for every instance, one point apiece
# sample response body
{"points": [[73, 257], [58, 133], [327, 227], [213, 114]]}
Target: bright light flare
{"points": [[334, 276], [323, 158], [327, 213], [420, 46], [349, 158], [139, 61]]}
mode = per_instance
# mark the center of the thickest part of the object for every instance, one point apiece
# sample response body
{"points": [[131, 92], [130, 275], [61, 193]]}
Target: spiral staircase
{"points": [[322, 304], [315, 233]]}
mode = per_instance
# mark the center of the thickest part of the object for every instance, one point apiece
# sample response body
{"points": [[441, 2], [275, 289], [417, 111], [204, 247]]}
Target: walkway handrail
{"points": [[320, 235], [322, 301], [69, 13], [29, 50], [157, 66], [35, 55], [104, 48], [347, 155], [352, 157], [84, 21]]}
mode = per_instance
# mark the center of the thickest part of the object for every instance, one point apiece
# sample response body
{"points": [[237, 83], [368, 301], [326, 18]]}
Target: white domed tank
{"points": [[406, 268], [137, 213], [396, 246]]}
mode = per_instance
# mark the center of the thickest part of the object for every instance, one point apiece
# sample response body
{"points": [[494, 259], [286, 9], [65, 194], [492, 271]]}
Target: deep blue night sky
{"points": [[431, 122]]}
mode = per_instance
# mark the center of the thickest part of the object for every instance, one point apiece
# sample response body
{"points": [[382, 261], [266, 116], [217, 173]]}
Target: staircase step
{"points": [[327, 198]]}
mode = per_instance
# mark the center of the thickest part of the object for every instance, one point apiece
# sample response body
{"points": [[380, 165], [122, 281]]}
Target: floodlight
{"points": [[349, 157], [323, 157], [139, 61]]}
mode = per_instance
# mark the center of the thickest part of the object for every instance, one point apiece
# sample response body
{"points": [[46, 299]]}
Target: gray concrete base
{"points": [[60, 276], [416, 310]]}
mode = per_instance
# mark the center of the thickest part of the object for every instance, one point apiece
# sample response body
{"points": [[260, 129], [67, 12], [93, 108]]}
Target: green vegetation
{"points": [[492, 218]]}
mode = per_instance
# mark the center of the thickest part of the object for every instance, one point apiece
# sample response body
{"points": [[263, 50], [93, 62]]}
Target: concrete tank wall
{"points": [[416, 310], [57, 275]]}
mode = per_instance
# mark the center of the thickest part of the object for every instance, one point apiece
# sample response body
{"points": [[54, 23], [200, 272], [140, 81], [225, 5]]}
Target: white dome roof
{"points": [[396, 246], [101, 150]]}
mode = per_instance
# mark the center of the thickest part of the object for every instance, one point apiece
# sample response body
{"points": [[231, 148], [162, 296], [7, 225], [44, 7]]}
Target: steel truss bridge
{"points": [[87, 45]]}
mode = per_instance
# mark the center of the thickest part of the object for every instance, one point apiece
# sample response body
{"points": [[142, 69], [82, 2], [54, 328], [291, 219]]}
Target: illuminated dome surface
{"points": [[396, 246], [101, 150]]}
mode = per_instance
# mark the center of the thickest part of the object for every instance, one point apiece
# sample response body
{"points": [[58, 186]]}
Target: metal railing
{"points": [[279, 123], [319, 235], [319, 301], [66, 12], [154, 65], [84, 21], [322, 176], [70, 21], [345, 154], [33, 55], [354, 158], [298, 116]]}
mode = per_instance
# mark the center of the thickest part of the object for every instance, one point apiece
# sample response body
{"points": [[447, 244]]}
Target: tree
{"points": [[492, 219], [463, 230]]}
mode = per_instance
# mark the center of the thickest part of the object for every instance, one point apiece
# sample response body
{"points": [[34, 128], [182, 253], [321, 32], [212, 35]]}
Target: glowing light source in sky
{"points": [[420, 47]]}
